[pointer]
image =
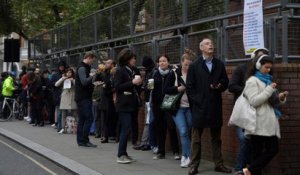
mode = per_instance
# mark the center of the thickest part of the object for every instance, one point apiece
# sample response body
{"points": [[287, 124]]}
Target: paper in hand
{"points": [[67, 84]]}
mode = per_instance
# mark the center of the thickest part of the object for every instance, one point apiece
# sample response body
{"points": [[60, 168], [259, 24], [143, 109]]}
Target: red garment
{"points": [[24, 81]]}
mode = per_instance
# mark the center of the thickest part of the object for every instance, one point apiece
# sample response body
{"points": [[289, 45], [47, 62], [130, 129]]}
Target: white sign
{"points": [[253, 31]]}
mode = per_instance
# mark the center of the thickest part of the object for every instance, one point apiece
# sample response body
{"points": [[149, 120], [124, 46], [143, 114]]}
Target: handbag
{"points": [[243, 114], [170, 101]]}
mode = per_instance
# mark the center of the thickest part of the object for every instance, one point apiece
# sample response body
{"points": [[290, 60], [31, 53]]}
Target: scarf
{"points": [[267, 79], [163, 72]]}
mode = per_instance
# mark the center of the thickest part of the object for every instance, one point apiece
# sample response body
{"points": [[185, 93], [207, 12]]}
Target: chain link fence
{"points": [[141, 50], [158, 27]]}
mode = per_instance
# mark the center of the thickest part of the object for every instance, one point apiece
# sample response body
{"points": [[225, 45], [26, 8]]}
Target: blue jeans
{"points": [[85, 120], [183, 121], [152, 137], [93, 126], [244, 153], [58, 115], [125, 124]]}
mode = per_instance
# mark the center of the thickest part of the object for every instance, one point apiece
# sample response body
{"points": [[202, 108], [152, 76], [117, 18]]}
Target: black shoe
{"points": [[146, 148], [159, 156], [89, 144], [104, 140], [193, 171], [137, 147], [222, 169]]}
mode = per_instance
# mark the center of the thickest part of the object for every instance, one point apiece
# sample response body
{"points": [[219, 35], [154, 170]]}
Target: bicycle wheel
{"points": [[5, 110], [16, 110], [22, 111]]}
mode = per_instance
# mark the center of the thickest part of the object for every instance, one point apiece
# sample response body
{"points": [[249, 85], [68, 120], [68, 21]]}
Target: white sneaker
{"points": [[182, 161], [61, 131], [185, 163], [26, 118], [131, 159], [123, 160], [155, 150], [53, 125], [176, 156]]}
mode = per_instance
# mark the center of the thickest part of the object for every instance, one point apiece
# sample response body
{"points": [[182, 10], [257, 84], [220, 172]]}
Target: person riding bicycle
{"points": [[8, 88]]}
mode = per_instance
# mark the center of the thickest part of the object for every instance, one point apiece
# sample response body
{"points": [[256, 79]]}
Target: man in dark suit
{"points": [[206, 80]]}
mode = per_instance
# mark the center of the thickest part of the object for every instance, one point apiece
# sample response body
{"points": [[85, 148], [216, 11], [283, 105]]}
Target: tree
{"points": [[31, 17]]}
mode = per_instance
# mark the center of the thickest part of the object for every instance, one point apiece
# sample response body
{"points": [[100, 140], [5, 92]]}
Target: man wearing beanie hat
{"points": [[148, 63], [57, 92], [147, 137]]}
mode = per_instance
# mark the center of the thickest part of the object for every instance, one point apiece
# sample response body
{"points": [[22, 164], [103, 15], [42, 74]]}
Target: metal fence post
{"points": [[272, 36], [111, 24], [155, 15], [131, 17], [80, 33], [95, 27], [224, 40], [285, 38], [184, 12]]}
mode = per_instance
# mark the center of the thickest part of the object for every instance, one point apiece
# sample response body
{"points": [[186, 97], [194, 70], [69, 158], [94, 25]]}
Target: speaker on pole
{"points": [[11, 50]]}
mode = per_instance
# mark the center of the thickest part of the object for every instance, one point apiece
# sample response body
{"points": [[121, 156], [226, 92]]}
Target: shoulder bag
{"points": [[243, 114], [170, 101]]}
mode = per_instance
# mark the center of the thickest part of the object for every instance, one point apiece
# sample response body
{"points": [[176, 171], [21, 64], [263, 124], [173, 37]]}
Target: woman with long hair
{"points": [[261, 92], [67, 100], [183, 116], [127, 80]]}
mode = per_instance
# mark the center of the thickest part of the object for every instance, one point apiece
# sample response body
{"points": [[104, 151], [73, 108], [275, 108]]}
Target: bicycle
{"points": [[13, 107]]}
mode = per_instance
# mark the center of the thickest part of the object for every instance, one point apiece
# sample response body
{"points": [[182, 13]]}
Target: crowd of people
{"points": [[106, 102]]}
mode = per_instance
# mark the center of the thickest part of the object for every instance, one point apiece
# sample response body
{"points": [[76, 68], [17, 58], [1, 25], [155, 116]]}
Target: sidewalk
{"points": [[63, 150]]}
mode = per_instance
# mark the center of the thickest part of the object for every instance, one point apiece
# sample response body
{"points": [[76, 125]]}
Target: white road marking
{"points": [[30, 158]]}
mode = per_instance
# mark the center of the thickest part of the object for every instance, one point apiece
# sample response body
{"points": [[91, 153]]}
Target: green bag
{"points": [[171, 102]]}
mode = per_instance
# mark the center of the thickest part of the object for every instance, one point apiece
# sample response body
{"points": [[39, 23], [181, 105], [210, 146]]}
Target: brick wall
{"points": [[287, 162]]}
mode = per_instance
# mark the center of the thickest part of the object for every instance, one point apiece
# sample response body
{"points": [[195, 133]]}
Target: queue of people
{"points": [[110, 99]]}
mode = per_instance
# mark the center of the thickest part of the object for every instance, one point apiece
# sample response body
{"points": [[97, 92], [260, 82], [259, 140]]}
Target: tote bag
{"points": [[243, 114]]}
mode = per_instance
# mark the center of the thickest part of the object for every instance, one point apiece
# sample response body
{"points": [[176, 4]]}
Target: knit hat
{"points": [[148, 62], [62, 63]]}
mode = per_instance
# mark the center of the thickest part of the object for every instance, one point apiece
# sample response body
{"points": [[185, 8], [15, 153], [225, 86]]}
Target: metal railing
{"points": [[153, 27]]}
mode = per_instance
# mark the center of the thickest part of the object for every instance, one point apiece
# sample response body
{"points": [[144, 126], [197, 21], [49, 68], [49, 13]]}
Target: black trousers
{"points": [[134, 127], [36, 111], [160, 122], [264, 150], [163, 121]]}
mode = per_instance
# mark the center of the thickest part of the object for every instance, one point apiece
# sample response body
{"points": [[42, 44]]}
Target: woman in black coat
{"points": [[127, 82], [162, 119]]}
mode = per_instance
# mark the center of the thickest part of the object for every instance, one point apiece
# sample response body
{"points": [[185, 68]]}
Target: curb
{"points": [[57, 158]]}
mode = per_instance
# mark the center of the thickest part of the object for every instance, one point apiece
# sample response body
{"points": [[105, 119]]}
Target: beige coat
{"points": [[258, 93], [67, 100]]}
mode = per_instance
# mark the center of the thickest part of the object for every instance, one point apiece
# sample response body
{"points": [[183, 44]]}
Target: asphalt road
{"points": [[17, 160]]}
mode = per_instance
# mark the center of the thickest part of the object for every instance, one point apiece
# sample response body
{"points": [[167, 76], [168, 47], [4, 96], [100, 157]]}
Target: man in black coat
{"points": [[206, 80]]}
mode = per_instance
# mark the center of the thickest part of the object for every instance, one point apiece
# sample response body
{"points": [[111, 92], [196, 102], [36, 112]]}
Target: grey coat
{"points": [[67, 100]]}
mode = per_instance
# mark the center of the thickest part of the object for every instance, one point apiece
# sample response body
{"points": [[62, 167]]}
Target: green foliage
{"points": [[31, 17]]}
